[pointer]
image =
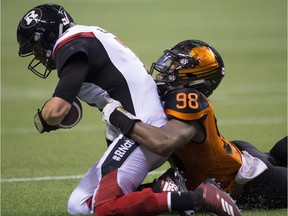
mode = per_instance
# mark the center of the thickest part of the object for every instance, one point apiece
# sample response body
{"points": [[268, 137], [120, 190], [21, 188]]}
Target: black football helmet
{"points": [[190, 63], [37, 33]]}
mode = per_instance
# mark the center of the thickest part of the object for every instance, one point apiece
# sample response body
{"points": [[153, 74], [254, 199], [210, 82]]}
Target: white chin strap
{"points": [[60, 29]]}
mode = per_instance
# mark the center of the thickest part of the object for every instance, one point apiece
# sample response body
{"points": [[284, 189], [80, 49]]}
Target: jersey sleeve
{"points": [[71, 77], [68, 49], [72, 63], [186, 104]]}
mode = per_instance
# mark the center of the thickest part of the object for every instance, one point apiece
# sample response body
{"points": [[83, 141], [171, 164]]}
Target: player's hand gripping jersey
{"points": [[214, 156]]}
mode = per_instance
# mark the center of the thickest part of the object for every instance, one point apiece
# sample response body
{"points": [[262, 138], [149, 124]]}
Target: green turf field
{"points": [[39, 171]]}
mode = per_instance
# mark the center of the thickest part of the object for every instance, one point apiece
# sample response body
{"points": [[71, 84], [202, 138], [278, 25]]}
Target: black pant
{"points": [[268, 190]]}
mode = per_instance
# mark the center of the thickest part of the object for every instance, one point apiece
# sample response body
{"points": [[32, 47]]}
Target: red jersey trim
{"points": [[72, 37]]}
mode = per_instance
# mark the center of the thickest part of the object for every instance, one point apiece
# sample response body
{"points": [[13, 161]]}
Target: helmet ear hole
{"points": [[37, 36]]}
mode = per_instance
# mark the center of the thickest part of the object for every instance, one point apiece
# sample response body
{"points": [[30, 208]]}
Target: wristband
{"points": [[123, 120]]}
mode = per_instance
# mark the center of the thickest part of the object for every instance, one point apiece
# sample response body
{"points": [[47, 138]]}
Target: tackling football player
{"points": [[188, 74]]}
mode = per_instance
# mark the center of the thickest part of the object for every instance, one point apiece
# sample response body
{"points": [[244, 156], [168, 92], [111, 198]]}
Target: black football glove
{"points": [[41, 125]]}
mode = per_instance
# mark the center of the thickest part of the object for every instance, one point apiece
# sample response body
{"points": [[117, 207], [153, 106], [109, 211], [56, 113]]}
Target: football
{"points": [[74, 115]]}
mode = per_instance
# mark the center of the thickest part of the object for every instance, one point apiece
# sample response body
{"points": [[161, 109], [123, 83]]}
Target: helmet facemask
{"points": [[41, 48], [170, 62]]}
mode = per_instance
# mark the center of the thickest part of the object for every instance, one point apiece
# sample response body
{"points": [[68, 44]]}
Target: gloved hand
{"points": [[113, 113], [109, 108], [111, 132]]}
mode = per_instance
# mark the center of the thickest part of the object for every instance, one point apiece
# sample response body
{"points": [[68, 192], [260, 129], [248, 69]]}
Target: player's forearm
{"points": [[66, 118], [164, 140], [152, 137], [55, 110]]}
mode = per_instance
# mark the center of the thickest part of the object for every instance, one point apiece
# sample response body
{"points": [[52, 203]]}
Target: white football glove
{"points": [[114, 114], [109, 108], [111, 132]]}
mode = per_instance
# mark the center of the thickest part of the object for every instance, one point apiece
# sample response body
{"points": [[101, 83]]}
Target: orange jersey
{"points": [[214, 157]]}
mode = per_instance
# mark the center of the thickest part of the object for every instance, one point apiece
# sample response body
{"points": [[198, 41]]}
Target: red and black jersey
{"points": [[214, 157]]}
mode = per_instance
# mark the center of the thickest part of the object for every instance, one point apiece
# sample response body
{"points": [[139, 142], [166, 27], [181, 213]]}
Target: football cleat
{"points": [[171, 180], [216, 200]]}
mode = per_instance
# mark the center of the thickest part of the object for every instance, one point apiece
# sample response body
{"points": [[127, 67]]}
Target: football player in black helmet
{"points": [[37, 33], [187, 74], [95, 66]]}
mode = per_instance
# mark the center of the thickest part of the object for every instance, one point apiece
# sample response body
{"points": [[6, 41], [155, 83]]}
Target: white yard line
{"points": [[53, 178], [44, 178]]}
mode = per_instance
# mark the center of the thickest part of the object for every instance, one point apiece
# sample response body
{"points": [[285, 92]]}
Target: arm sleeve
{"points": [[72, 75]]}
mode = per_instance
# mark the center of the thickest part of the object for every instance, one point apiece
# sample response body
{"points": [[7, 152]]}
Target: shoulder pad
{"points": [[66, 50], [185, 104]]}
